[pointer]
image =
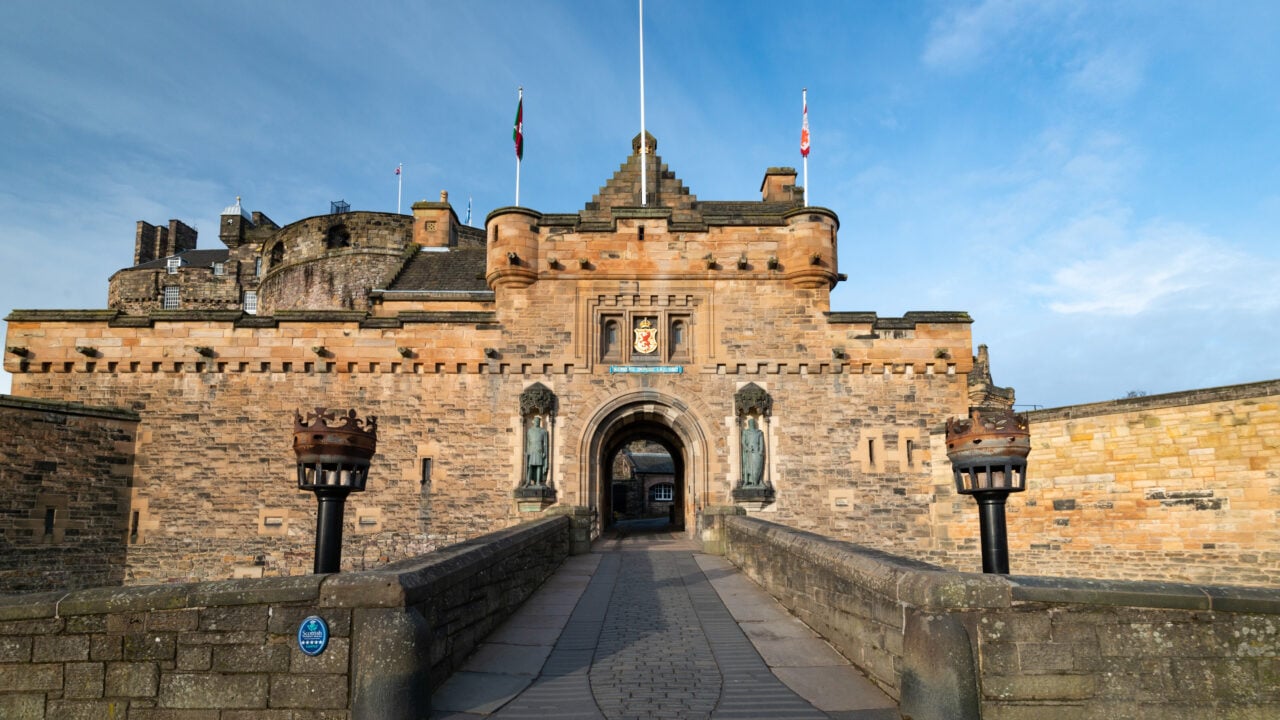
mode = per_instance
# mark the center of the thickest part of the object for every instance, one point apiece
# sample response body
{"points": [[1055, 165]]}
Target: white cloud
{"points": [[1162, 266], [1112, 74], [966, 36]]}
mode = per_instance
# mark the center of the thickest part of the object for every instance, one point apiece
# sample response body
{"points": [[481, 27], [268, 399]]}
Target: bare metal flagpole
{"points": [[644, 141], [399, 185]]}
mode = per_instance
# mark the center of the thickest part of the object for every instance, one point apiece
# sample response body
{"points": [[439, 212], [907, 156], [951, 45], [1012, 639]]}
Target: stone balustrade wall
{"points": [[228, 650], [952, 645]]}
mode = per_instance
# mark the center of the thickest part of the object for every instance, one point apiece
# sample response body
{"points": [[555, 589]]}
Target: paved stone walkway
{"points": [[648, 627]]}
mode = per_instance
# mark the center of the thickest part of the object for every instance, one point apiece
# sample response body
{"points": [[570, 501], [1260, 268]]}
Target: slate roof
{"points": [[456, 269], [652, 463], [190, 258]]}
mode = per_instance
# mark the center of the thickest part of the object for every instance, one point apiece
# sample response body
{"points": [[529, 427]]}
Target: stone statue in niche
{"points": [[535, 455], [752, 455]]}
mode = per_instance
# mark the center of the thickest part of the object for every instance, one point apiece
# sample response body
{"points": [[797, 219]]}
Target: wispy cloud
{"points": [[967, 36], [1161, 265], [1112, 74]]}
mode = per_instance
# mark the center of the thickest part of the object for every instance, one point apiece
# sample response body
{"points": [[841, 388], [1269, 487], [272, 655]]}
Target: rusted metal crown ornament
{"points": [[988, 450], [333, 450]]}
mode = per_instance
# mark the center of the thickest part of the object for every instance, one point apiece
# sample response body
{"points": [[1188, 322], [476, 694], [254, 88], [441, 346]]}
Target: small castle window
{"points": [[678, 342], [50, 513], [911, 451], [219, 269], [170, 301], [251, 302], [662, 492], [172, 264], [257, 267], [277, 254], [610, 340]]}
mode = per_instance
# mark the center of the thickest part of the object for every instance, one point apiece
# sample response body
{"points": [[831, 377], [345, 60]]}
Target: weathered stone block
{"points": [[28, 676], [132, 679], [170, 714], [149, 646], [307, 691], [106, 647], [1038, 687], [213, 690], [173, 620], [86, 709], [15, 649], [194, 657], [82, 680], [251, 658], [60, 648], [22, 707], [248, 618], [1039, 658]]}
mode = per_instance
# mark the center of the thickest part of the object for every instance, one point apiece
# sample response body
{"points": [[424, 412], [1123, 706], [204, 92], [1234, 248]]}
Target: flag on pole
{"points": [[804, 131], [397, 171], [517, 131]]}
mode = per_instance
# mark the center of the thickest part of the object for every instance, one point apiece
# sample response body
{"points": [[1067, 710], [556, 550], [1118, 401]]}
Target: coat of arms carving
{"points": [[646, 337]]}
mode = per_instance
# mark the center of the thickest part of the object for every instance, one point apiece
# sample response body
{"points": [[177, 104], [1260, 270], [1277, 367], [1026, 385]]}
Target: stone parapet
{"points": [[229, 648], [951, 646]]}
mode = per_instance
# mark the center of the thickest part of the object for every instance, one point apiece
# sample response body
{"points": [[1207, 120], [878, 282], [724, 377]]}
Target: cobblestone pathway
{"points": [[648, 637]]}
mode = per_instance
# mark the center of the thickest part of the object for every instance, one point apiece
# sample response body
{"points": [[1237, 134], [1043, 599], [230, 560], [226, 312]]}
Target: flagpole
{"points": [[520, 129], [399, 185], [804, 101], [644, 141]]}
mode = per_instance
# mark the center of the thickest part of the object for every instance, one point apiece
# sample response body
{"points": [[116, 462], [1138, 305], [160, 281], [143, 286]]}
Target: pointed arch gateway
{"points": [[645, 415]]}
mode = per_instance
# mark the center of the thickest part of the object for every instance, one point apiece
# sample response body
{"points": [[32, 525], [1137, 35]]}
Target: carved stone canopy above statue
{"points": [[752, 400], [537, 399]]}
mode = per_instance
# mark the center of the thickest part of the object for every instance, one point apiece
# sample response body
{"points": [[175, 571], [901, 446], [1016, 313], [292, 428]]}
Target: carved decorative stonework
{"points": [[753, 498], [753, 490], [531, 499], [536, 491], [537, 400], [752, 400]]}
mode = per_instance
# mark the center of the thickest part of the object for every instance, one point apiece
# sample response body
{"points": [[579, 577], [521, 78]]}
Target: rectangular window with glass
{"points": [[172, 265], [170, 297], [251, 302], [219, 269]]}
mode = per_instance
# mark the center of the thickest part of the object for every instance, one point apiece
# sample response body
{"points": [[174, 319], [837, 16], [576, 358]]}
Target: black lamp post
{"points": [[988, 454], [333, 461]]}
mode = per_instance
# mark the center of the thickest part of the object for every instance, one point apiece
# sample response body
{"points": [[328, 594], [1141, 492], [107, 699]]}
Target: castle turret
{"points": [[809, 253], [233, 224], [513, 246]]}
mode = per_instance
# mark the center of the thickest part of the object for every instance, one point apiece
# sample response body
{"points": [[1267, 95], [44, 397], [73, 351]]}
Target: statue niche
{"points": [[752, 407], [535, 489]]}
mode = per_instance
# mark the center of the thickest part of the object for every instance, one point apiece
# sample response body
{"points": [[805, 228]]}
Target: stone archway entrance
{"points": [[658, 418]]}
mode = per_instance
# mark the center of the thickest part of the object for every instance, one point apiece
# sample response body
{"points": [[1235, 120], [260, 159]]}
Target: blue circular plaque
{"points": [[313, 635]]}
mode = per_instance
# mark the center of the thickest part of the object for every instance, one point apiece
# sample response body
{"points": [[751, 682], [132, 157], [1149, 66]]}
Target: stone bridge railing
{"points": [[952, 646], [230, 647]]}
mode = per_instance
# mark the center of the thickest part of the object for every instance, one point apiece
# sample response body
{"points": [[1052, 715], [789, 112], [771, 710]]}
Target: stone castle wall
{"points": [[1183, 486], [64, 496], [214, 482]]}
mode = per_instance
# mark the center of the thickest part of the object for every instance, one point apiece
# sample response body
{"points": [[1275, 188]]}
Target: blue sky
{"points": [[1097, 183]]}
